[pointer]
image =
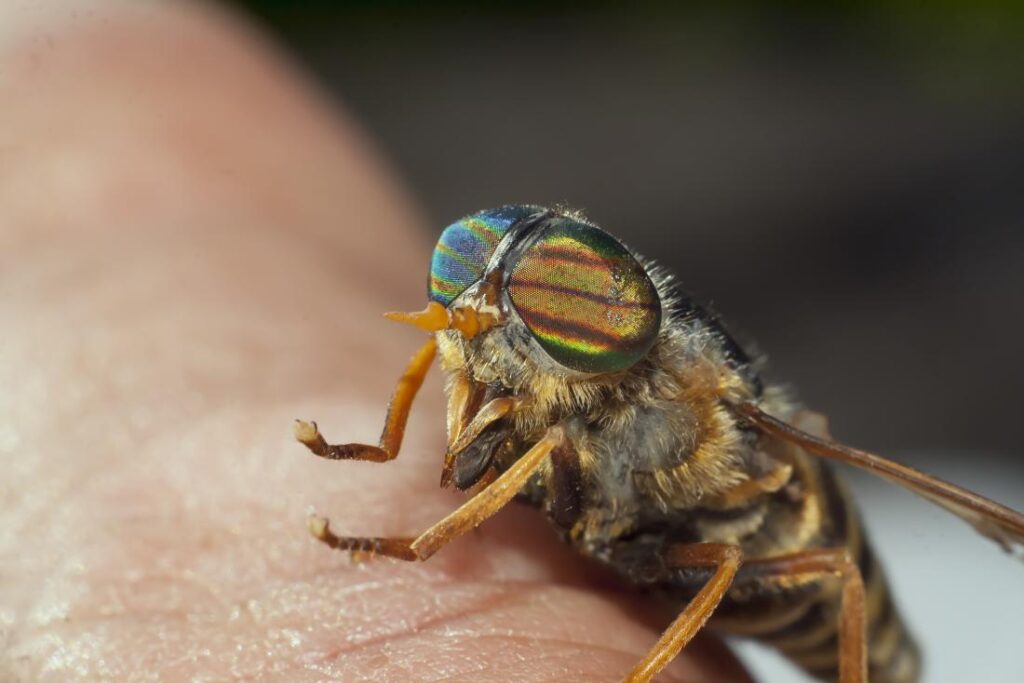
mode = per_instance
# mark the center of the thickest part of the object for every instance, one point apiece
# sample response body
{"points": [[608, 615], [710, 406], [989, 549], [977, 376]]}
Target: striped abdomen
{"points": [[801, 618]]}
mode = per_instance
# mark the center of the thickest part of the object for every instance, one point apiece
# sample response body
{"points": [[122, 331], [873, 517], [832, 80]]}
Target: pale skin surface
{"points": [[194, 250]]}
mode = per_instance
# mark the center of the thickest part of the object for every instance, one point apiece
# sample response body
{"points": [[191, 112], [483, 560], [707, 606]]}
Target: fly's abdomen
{"points": [[800, 615], [811, 640]]}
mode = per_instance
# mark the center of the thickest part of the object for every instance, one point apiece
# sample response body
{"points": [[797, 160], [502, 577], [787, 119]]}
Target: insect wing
{"points": [[992, 520]]}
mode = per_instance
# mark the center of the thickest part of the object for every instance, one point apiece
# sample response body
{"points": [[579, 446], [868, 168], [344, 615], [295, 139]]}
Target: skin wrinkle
{"points": [[533, 663], [508, 595], [558, 665], [526, 638], [486, 603]]}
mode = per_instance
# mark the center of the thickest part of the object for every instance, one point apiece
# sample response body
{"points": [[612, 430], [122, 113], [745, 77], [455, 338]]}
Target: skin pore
{"points": [[195, 249]]}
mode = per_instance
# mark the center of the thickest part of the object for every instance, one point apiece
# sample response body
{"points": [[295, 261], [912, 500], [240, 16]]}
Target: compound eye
{"points": [[465, 247], [585, 298]]}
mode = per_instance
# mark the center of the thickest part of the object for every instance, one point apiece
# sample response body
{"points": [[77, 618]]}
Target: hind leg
{"points": [[806, 638]]}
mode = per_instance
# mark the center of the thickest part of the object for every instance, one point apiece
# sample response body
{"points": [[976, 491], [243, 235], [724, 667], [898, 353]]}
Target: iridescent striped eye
{"points": [[465, 247], [588, 301]]}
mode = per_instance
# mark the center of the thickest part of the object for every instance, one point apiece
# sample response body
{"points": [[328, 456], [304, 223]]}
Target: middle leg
{"points": [[725, 559]]}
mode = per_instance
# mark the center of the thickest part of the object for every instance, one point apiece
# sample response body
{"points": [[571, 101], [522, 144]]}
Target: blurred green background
{"points": [[843, 183]]}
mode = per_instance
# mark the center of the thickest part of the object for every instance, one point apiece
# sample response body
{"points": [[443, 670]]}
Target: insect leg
{"points": [[394, 423], [726, 560], [469, 515], [852, 614]]}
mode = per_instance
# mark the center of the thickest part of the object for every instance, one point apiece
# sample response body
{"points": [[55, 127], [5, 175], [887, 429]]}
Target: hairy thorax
{"points": [[647, 449]]}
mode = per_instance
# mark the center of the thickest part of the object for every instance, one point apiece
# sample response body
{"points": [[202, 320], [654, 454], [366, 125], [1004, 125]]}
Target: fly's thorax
{"points": [[579, 329], [655, 437]]}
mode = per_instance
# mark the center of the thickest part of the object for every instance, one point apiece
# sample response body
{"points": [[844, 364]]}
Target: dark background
{"points": [[844, 185]]}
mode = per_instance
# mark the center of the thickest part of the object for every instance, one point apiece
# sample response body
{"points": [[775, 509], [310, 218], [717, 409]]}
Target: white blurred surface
{"points": [[962, 596]]}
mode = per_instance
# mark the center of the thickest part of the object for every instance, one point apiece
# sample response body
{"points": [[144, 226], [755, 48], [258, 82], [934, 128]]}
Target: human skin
{"points": [[195, 250]]}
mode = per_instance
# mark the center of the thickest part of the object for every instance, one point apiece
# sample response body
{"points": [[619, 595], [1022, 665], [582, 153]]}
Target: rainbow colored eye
{"points": [[465, 247], [588, 302]]}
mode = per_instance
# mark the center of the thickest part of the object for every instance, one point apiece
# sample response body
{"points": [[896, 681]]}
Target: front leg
{"points": [[394, 424], [469, 515]]}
